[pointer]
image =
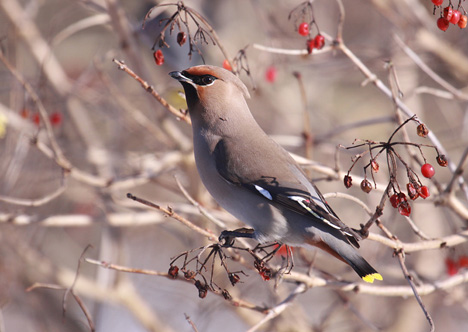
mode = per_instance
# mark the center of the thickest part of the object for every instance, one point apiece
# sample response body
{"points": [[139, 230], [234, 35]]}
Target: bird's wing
{"points": [[276, 177]]}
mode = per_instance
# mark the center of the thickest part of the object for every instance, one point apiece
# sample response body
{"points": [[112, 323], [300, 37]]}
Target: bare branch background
{"points": [[86, 117]]}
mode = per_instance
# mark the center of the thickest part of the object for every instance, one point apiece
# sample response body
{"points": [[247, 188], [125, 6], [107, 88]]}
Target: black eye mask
{"points": [[200, 80]]}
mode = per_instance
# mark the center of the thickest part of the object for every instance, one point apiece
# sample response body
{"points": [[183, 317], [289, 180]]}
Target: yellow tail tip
{"points": [[370, 277]]}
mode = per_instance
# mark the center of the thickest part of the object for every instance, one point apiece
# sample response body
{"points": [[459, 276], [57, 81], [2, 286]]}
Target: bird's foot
{"points": [[227, 237]]}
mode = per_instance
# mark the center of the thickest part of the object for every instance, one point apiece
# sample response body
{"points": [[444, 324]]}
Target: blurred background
{"points": [[77, 134]]}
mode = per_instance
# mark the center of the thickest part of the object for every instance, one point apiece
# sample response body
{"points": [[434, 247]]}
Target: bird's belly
{"points": [[248, 207]]}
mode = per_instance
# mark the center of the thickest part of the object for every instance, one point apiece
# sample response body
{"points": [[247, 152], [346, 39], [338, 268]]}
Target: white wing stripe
{"points": [[264, 192], [301, 200]]}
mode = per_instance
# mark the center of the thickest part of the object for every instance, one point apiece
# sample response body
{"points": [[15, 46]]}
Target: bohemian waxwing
{"points": [[253, 177]]}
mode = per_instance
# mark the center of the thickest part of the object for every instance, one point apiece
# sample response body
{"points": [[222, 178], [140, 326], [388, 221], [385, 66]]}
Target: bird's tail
{"points": [[348, 254]]}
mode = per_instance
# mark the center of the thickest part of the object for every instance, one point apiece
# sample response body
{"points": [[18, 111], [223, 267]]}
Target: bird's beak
{"points": [[181, 78]]}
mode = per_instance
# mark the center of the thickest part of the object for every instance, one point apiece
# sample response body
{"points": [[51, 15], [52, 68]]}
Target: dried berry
{"points": [[158, 57], [366, 186], [422, 130], [375, 165], [181, 38], [412, 192], [189, 275], [404, 208], [234, 278], [442, 160], [348, 181], [173, 271], [202, 289], [226, 295]]}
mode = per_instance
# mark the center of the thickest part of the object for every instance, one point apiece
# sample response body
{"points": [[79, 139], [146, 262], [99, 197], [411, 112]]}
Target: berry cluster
{"points": [[414, 187], [55, 118], [450, 15], [303, 14]]}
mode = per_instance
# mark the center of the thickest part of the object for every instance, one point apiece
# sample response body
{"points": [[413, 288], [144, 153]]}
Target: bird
{"points": [[254, 178]]}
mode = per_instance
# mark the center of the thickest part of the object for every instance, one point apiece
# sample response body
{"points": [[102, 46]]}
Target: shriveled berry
{"points": [[427, 170], [448, 13], [202, 289], [375, 165], [437, 2], [462, 22], [412, 192], [226, 295], [394, 200], [442, 24], [422, 130], [424, 192], [366, 186], [227, 65], [442, 160], [158, 57], [404, 209], [181, 38], [348, 181], [234, 278], [455, 17], [189, 275], [173, 271], [303, 29], [319, 41], [270, 74]]}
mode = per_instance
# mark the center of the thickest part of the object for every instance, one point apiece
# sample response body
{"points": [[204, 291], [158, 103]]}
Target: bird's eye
{"points": [[207, 80]]}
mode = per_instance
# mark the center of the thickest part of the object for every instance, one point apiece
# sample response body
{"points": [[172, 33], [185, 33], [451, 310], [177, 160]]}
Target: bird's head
{"points": [[212, 88]]}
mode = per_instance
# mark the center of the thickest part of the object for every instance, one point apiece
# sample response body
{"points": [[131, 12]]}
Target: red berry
{"points": [[55, 118], [36, 119], [455, 17], [404, 208], [442, 24], [463, 261], [437, 2], [319, 41], [448, 13], [463, 21], [158, 57], [452, 267], [394, 200], [227, 65], [427, 171], [303, 29], [270, 74], [424, 192]]}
